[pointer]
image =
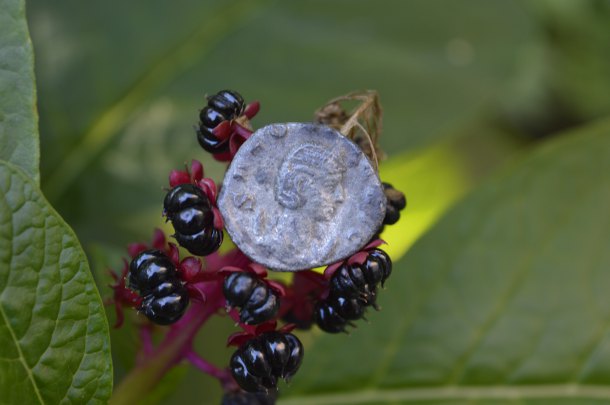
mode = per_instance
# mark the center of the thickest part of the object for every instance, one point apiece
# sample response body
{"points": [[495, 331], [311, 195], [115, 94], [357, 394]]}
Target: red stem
{"points": [[202, 364], [173, 349]]}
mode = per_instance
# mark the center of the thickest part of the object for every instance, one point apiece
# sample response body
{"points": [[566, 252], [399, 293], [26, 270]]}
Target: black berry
{"points": [[259, 363], [396, 202], [360, 281], [228, 102], [257, 302], [225, 105], [350, 281], [211, 117], [167, 303], [149, 269], [352, 289], [154, 276], [190, 212], [333, 314], [378, 266], [328, 318], [210, 143], [203, 243]]}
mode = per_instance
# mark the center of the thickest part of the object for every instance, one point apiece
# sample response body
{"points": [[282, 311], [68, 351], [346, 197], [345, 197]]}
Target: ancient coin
{"points": [[300, 195]]}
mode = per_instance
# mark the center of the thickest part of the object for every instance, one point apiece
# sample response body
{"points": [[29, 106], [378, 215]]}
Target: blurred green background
{"points": [[466, 86]]}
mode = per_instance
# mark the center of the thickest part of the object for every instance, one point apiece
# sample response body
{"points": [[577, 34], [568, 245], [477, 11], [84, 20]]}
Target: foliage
{"points": [[54, 342]]}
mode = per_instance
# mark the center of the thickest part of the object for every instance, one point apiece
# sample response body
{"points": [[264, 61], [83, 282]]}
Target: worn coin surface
{"points": [[300, 195]]}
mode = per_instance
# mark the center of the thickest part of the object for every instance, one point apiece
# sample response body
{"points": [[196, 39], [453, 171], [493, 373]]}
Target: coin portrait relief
{"points": [[298, 196], [309, 187]]}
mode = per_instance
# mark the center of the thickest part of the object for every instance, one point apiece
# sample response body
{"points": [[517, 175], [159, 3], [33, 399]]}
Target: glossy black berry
{"points": [[259, 363], [241, 397], [352, 289], [328, 318], [149, 269], [211, 117], [190, 212], [210, 143], [361, 281], [257, 302], [183, 196], [207, 241], [378, 266], [228, 102], [395, 202], [225, 105], [335, 313], [350, 309], [154, 276], [350, 281], [167, 303]]}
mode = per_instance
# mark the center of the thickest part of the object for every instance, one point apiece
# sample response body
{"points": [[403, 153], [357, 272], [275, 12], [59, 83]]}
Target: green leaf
{"points": [[434, 178], [503, 301], [578, 32], [18, 116], [54, 344], [435, 67]]}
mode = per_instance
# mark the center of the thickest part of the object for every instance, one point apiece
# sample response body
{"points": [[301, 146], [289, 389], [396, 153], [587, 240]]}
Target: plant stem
{"points": [[207, 367], [174, 348]]}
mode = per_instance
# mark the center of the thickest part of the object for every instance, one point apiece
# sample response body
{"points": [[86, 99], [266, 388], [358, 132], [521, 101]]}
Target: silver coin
{"points": [[300, 195]]}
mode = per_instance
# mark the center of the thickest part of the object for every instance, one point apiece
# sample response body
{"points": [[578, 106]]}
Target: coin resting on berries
{"points": [[296, 196], [153, 275], [191, 214], [260, 362]]}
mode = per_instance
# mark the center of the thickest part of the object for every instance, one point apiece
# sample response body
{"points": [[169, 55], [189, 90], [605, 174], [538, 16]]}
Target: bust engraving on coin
{"points": [[298, 196]]}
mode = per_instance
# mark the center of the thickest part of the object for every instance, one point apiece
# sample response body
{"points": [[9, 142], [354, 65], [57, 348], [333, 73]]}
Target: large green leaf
{"points": [[120, 87], [54, 344], [503, 301], [18, 116], [578, 33], [434, 178]]}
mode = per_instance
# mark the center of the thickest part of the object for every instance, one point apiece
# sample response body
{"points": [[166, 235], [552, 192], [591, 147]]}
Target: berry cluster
{"points": [[153, 275], [353, 287], [220, 131], [190, 212], [185, 293], [223, 106], [258, 364]]}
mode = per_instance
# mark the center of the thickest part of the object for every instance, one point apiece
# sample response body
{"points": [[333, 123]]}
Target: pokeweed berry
{"points": [[148, 269], [350, 281], [261, 361], [333, 314], [353, 287], [256, 300], [225, 105], [396, 202], [361, 280], [154, 276], [166, 303], [191, 214], [378, 266], [228, 102]]}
